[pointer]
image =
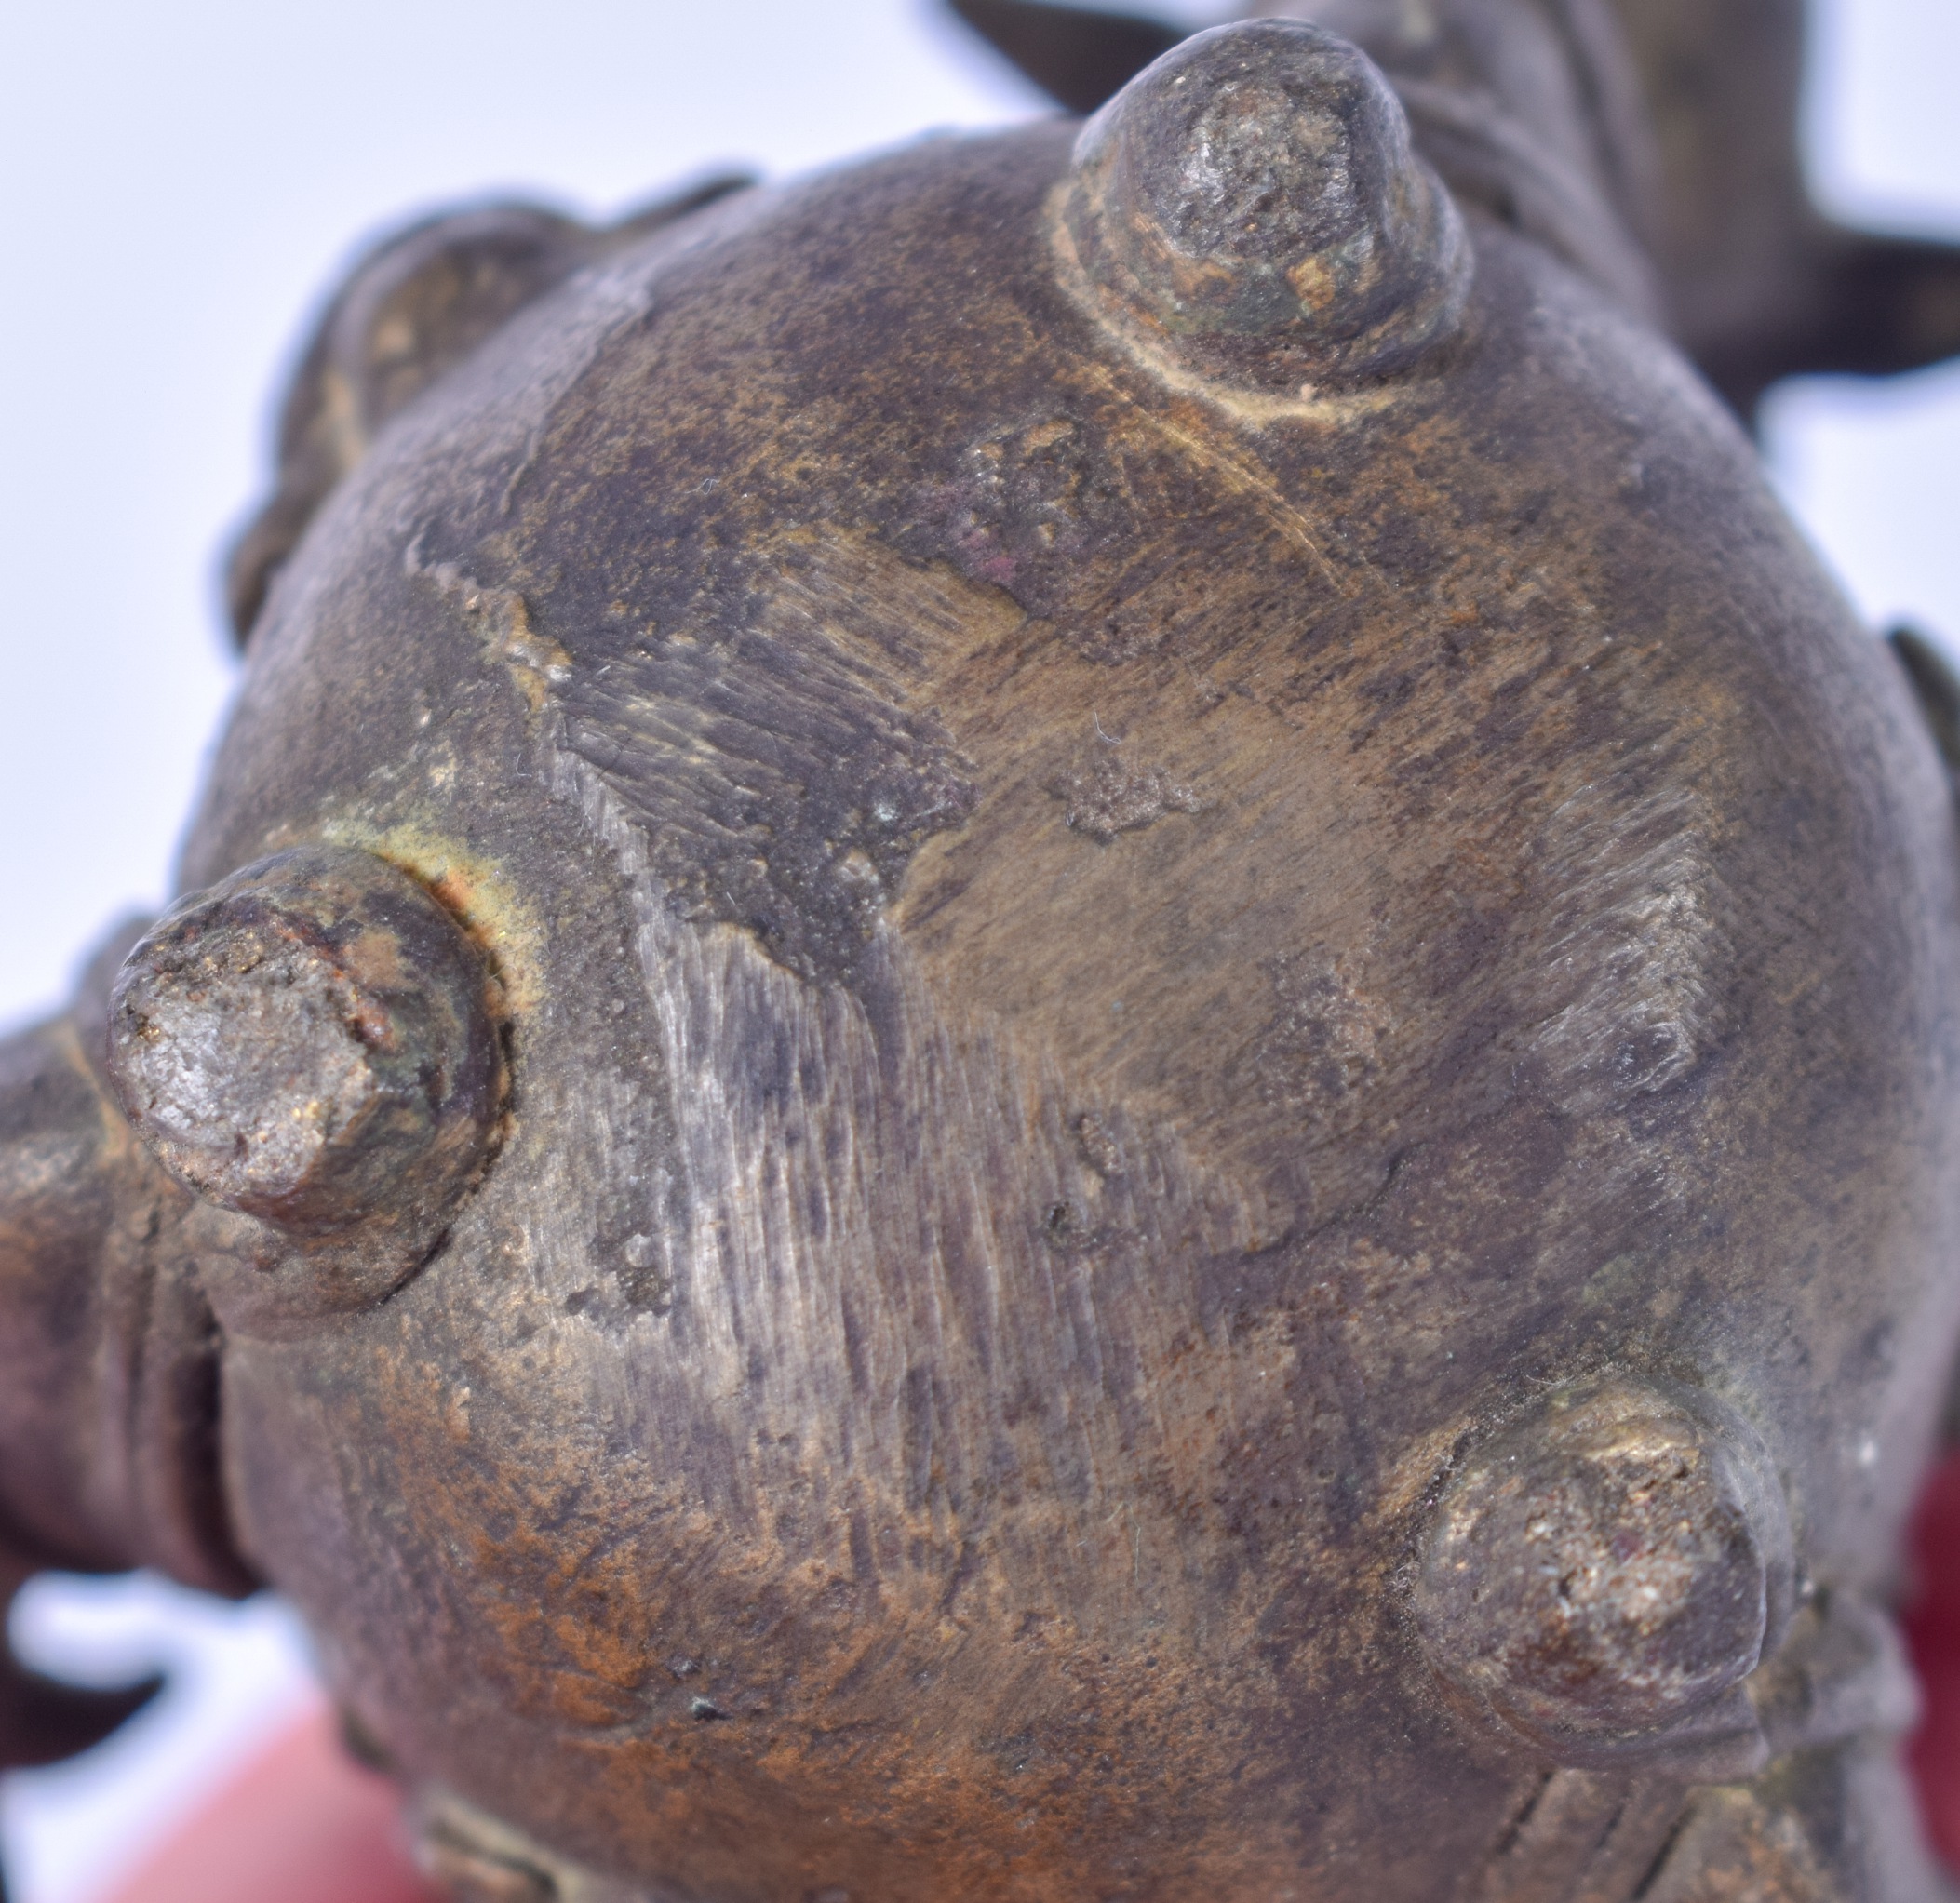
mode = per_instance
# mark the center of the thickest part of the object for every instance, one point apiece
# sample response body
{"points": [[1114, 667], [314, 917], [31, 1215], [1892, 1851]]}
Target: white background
{"points": [[184, 184]]}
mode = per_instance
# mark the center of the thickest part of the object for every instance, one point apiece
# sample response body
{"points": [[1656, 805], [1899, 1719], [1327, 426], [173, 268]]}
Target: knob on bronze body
{"points": [[312, 1042], [1251, 204], [1605, 1571]]}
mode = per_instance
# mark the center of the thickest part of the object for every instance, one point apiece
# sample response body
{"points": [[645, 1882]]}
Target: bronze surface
{"points": [[1046, 1033]]}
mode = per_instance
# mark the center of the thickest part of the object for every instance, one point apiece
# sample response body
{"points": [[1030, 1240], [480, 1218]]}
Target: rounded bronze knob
{"points": [[1252, 204], [1605, 1572], [311, 1042]]}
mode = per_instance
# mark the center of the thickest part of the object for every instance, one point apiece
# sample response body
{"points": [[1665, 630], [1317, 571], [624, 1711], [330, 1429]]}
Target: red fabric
{"points": [[303, 1824], [1932, 1629]]}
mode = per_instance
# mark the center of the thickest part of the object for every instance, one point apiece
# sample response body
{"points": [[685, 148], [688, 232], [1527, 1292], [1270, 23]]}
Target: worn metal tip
{"points": [[1251, 201], [1605, 1573], [311, 1043]]}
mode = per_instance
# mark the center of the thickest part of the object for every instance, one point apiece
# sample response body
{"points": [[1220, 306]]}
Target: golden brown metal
{"points": [[1159, 1099]]}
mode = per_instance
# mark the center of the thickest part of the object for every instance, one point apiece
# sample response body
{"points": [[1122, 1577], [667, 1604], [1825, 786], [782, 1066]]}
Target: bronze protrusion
{"points": [[311, 1042], [1604, 1573], [1250, 203]]}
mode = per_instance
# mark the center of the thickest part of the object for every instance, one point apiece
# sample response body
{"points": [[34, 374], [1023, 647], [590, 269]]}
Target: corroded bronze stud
{"points": [[1250, 202], [311, 1042], [1605, 1573]]}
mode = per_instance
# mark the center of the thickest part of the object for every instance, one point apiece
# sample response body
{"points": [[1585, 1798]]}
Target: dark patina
{"points": [[1063, 1021]]}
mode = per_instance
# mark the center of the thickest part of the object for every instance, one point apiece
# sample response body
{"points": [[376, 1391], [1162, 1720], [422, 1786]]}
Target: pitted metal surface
{"points": [[1062, 1020]]}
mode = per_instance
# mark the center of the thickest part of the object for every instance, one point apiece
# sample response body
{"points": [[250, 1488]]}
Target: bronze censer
{"points": [[1062, 1021]]}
